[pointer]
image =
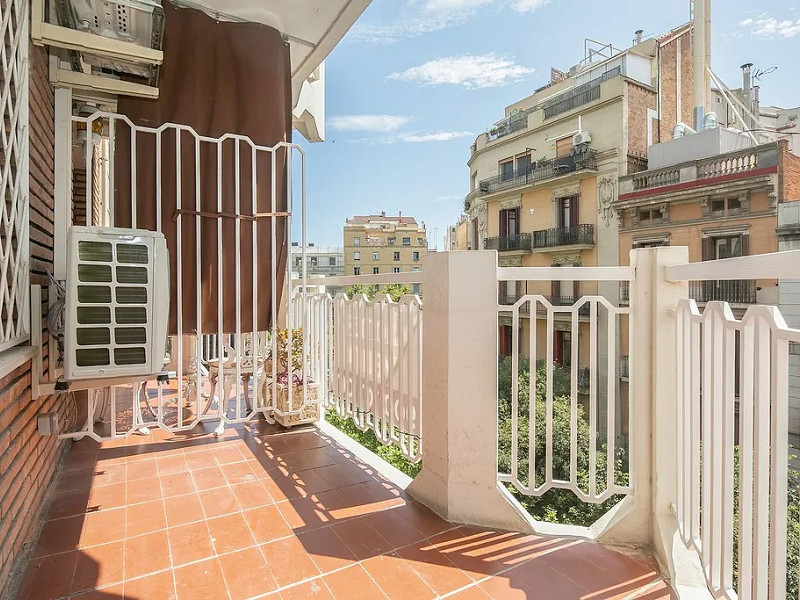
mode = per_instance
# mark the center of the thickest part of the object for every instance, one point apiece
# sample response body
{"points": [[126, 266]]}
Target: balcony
{"points": [[577, 96], [541, 171], [509, 125], [513, 243], [546, 240], [742, 291], [227, 504]]}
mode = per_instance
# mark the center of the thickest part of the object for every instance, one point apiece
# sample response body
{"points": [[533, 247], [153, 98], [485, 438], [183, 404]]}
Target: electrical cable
{"points": [[55, 315]]}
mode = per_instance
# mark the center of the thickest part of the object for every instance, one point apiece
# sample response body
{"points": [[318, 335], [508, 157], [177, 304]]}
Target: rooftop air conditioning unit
{"points": [[582, 137], [117, 303]]}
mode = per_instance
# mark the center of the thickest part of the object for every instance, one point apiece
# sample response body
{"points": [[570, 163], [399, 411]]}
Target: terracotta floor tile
{"points": [[501, 588], [146, 554], [339, 476], [177, 484], [208, 478], [267, 524], [108, 474], [112, 592], [141, 469], [190, 543], [99, 566], [393, 528], [183, 509], [143, 490], [326, 549], [251, 495], [230, 533], [74, 480], [171, 465], [434, 568], [422, 518], [107, 496], [247, 574], [471, 593], [314, 590], [572, 564], [146, 518], [68, 504], [304, 514], [200, 458], [201, 580], [282, 488], [312, 482], [104, 526], [60, 535], [397, 580], [288, 561], [353, 583], [48, 577], [238, 472], [159, 586], [361, 538], [227, 454], [218, 502]]}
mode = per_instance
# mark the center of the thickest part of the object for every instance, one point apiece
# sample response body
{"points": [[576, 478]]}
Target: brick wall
{"points": [[27, 461], [788, 173], [639, 99], [670, 76]]}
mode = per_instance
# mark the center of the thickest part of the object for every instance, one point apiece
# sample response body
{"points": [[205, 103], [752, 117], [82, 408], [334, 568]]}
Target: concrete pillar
{"points": [[459, 422]]}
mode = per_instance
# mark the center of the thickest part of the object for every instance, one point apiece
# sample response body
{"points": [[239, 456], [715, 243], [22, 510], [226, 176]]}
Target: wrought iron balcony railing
{"points": [[519, 242], [563, 236], [742, 291], [540, 171]]}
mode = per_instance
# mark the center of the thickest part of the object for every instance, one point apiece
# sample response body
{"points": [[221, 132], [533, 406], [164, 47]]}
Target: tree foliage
{"points": [[394, 290]]}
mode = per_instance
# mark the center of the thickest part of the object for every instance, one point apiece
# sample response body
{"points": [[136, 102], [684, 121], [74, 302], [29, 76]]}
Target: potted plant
{"points": [[290, 359]]}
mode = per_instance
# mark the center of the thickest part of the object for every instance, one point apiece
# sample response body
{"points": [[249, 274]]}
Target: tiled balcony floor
{"points": [[285, 515]]}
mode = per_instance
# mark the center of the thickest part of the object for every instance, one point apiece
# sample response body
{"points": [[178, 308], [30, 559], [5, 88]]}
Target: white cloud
{"points": [[438, 136], [448, 198], [770, 27], [368, 122], [469, 71], [417, 18]]}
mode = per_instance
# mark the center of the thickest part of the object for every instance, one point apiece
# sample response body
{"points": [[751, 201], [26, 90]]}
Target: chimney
{"points": [[638, 34], [383, 213], [756, 103], [747, 98], [399, 214]]}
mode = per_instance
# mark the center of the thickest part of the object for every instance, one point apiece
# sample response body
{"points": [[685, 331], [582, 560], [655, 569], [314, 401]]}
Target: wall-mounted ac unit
{"points": [[117, 303], [582, 137]]}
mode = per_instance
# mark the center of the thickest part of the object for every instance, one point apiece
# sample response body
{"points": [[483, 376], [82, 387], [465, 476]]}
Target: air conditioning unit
{"points": [[484, 186], [117, 303], [581, 138]]}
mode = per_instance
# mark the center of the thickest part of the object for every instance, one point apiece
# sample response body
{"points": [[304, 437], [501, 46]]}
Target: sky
{"points": [[415, 81]]}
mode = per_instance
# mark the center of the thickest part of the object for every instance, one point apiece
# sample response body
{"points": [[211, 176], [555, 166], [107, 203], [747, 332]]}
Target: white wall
{"points": [[789, 294]]}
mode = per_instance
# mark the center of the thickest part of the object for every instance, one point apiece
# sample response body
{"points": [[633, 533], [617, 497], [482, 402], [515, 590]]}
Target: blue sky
{"points": [[415, 81]]}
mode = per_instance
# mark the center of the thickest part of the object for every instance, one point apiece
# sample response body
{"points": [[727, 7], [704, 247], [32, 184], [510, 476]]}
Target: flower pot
{"points": [[309, 412]]}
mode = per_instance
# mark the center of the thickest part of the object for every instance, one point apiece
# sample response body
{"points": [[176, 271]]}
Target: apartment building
{"points": [[456, 236], [544, 179], [325, 261], [722, 194], [377, 244]]}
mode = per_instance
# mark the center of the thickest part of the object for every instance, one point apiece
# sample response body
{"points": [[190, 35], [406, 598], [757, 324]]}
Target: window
{"points": [[563, 348], [416, 288], [507, 170], [376, 256], [523, 161], [395, 269], [650, 243], [415, 256], [376, 270], [726, 206], [298, 261], [356, 241], [415, 269], [396, 256], [475, 235], [314, 261], [331, 261], [356, 255], [406, 241], [729, 246], [567, 211], [506, 340], [356, 270], [422, 242], [509, 222], [649, 215], [391, 241]]}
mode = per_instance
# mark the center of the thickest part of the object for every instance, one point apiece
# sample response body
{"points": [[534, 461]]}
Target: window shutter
{"points": [[503, 223], [573, 208], [555, 289], [745, 244], [708, 248]]}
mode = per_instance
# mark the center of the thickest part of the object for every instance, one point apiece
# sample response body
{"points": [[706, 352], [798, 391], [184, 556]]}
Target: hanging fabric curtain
{"points": [[217, 78]]}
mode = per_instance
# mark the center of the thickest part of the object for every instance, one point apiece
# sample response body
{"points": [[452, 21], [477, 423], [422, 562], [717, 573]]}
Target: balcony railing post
{"points": [[654, 413], [459, 473]]}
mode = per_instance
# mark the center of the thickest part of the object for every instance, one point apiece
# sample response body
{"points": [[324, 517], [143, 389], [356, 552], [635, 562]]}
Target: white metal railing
{"points": [[14, 175], [723, 364], [221, 373], [594, 479]]}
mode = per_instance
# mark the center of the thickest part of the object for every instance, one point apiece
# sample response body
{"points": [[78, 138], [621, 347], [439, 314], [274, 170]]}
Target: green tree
{"points": [[394, 290]]}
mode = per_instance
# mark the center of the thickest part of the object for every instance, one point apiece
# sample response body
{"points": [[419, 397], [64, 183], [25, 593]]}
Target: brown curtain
{"points": [[218, 78]]}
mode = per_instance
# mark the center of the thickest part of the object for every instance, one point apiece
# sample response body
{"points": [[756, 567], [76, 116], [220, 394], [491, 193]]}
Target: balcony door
{"points": [[507, 170], [729, 246], [509, 225], [567, 212]]}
